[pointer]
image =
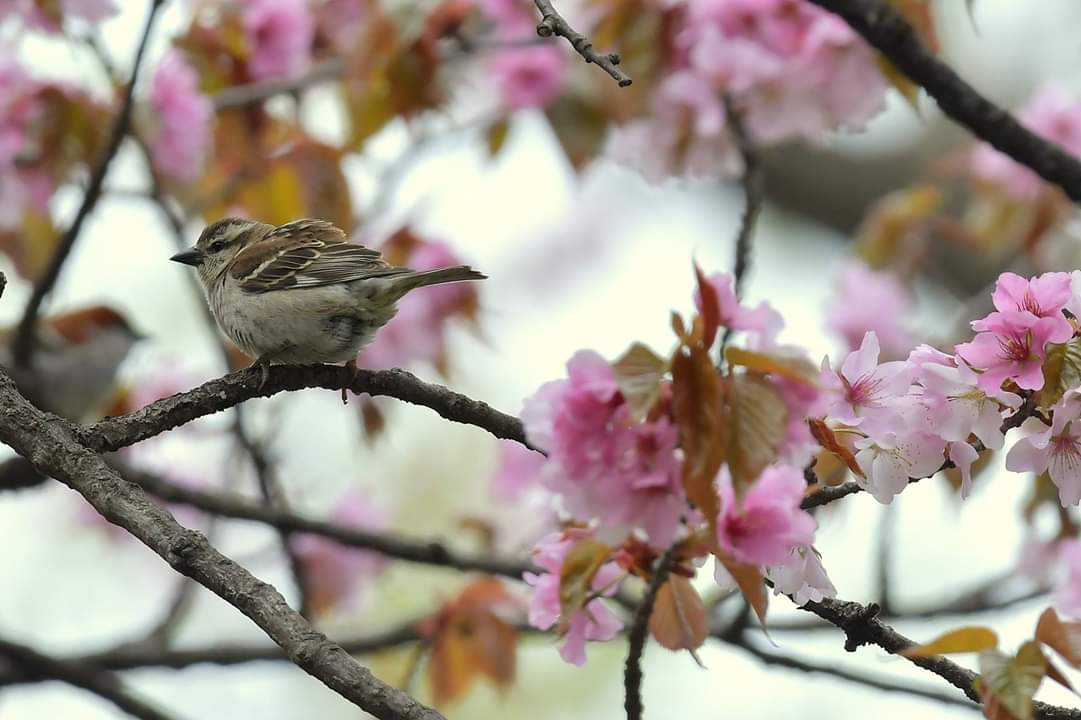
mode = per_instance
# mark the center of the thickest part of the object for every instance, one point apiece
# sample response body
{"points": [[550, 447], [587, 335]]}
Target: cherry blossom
{"points": [[868, 300], [1011, 345], [595, 621], [279, 33], [889, 460], [182, 115], [801, 576], [762, 322], [517, 470], [1055, 450], [528, 76], [867, 388], [767, 523], [334, 574], [957, 407]]}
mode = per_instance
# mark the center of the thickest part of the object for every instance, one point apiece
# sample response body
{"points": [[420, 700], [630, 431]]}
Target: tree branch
{"points": [[891, 35], [552, 23], [235, 506], [225, 392], [632, 674], [52, 445], [23, 346], [28, 664]]}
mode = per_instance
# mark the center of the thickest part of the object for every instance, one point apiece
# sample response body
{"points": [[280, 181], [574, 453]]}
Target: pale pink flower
{"points": [[279, 35], [962, 455], [518, 469], [90, 11], [181, 137], [595, 621], [1044, 296], [1049, 113], [957, 407], [870, 301], [1037, 559], [1055, 449], [867, 389], [529, 76], [335, 574], [802, 577], [1011, 345], [763, 528], [889, 460], [1068, 592]]}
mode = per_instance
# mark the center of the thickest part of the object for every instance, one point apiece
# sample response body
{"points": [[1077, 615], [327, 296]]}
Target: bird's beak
{"points": [[191, 256]]}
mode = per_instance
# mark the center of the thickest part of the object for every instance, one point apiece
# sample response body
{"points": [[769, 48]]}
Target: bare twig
{"points": [[891, 35], [255, 92], [52, 445], [29, 664], [632, 674], [751, 180], [552, 23], [23, 346], [230, 390]]}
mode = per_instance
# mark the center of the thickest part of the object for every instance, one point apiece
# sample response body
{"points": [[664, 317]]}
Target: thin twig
{"points": [[552, 23], [632, 674], [23, 346], [250, 93], [891, 35], [752, 180], [30, 664]]}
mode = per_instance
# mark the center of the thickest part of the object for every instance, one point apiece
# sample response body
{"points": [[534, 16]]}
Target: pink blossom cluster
{"points": [[279, 34], [594, 621], [182, 115], [870, 300], [526, 74], [1051, 113], [19, 106], [791, 70], [418, 332], [31, 12]]}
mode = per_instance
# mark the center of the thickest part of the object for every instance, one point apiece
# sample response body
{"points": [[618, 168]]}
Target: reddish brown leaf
{"points": [[580, 565], [749, 579], [697, 404], [452, 667], [678, 621], [1062, 637], [756, 427], [711, 309], [825, 436], [495, 648]]}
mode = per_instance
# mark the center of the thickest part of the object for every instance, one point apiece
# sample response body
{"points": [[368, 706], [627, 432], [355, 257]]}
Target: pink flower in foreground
{"points": [[183, 114], [1044, 296], [334, 574], [279, 35], [888, 460], [801, 576], [870, 301], [1068, 592], [1051, 114], [528, 76], [518, 469], [768, 523], [1055, 449], [595, 621], [1011, 345], [867, 388]]}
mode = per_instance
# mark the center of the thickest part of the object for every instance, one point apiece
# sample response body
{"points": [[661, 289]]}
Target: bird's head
{"points": [[218, 245]]}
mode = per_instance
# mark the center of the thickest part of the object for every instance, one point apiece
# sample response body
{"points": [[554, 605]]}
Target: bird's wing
{"points": [[305, 253]]}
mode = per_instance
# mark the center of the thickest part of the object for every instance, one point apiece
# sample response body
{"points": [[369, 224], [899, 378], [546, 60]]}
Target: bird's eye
{"points": [[217, 246]]}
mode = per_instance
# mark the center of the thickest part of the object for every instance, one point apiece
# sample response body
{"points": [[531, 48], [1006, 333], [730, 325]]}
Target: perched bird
{"points": [[300, 293], [73, 369]]}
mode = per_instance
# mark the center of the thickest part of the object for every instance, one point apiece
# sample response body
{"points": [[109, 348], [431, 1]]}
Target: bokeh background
{"points": [[595, 259]]}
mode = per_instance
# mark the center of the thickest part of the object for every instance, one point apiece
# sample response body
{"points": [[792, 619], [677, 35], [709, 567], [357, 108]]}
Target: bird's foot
{"points": [[349, 376]]}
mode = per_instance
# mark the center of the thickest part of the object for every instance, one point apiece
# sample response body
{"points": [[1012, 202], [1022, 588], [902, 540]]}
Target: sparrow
{"points": [[73, 369], [300, 293]]}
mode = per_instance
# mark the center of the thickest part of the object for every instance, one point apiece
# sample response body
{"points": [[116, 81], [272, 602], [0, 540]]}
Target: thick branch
{"points": [[891, 35], [24, 338], [552, 23], [51, 444], [28, 664], [223, 393], [632, 674], [235, 506]]}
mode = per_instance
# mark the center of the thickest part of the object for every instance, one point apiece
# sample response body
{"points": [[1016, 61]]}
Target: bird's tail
{"points": [[420, 278]]}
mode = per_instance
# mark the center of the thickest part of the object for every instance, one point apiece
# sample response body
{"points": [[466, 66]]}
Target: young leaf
{"points": [[974, 638], [496, 136], [1010, 682], [750, 582], [576, 576], [1062, 371], [697, 405], [756, 425], [451, 668], [793, 368], [638, 374], [711, 309], [825, 436], [918, 14], [678, 621], [1062, 637]]}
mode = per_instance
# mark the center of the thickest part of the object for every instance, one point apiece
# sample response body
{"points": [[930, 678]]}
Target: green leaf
{"points": [[1061, 371], [638, 374], [1010, 682], [975, 638], [756, 425]]}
